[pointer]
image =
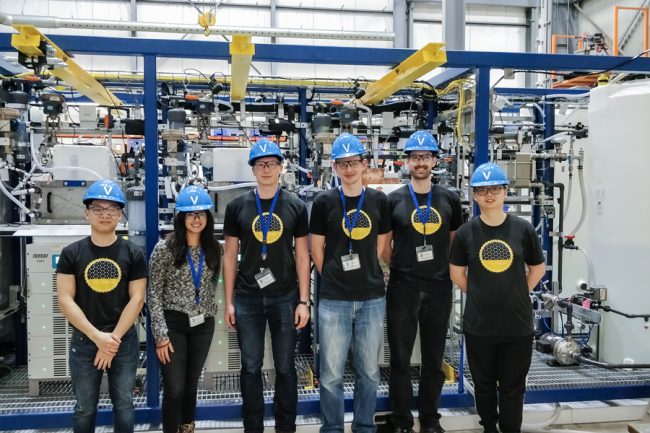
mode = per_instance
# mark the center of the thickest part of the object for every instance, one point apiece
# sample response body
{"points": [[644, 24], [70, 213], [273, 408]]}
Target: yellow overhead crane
{"points": [[417, 64], [28, 42], [241, 57]]}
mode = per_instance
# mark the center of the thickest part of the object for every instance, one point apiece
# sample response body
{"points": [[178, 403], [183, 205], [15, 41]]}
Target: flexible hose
{"points": [[554, 136], [23, 191], [591, 273], [583, 193], [15, 200], [586, 360], [540, 110], [26, 176], [556, 414], [234, 186], [299, 168], [568, 96]]}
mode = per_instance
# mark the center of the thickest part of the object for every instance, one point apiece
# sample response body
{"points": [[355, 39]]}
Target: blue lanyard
{"points": [[350, 224], [424, 215], [265, 221], [196, 274]]}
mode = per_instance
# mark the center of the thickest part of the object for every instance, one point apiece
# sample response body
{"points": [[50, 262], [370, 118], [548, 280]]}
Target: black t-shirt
{"points": [[327, 220], [445, 215], [102, 276], [498, 302], [289, 221]]}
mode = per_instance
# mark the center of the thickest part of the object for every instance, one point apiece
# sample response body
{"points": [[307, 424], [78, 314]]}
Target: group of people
{"points": [[418, 230]]}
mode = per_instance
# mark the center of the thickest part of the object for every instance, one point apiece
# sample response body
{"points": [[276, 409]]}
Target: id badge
{"points": [[351, 262], [424, 253], [265, 278], [196, 320]]}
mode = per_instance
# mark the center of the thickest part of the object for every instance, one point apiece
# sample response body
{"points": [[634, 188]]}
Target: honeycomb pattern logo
{"points": [[102, 275], [496, 256], [362, 228], [275, 229], [433, 223]]}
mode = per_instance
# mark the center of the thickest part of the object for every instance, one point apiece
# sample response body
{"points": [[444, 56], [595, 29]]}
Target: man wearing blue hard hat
{"points": [[270, 285], [488, 262], [424, 219], [101, 283], [349, 226]]}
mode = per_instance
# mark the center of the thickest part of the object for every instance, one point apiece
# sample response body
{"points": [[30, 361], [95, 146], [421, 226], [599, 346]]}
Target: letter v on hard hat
{"points": [[193, 198], [105, 190], [347, 145], [262, 148], [488, 174]]}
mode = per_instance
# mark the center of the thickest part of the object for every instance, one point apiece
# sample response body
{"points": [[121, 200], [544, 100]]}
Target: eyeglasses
{"points": [[196, 215], [111, 210], [260, 165], [423, 158], [348, 164], [483, 190]]}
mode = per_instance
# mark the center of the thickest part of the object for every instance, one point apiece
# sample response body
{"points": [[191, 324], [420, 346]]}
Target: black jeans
{"points": [[181, 375], [499, 366], [406, 306], [251, 316]]}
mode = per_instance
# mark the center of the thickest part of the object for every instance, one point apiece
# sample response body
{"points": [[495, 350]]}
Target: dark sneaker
{"points": [[433, 429]]}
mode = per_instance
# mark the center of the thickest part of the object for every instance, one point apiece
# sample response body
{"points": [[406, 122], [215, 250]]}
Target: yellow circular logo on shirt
{"points": [[102, 275], [496, 256], [275, 229], [362, 228], [433, 223]]}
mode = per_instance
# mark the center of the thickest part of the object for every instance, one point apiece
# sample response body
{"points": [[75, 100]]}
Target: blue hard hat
{"points": [[488, 174], [262, 148], [347, 145], [105, 190], [421, 140], [193, 198]]}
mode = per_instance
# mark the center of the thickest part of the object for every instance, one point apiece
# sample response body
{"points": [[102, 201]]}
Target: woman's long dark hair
{"points": [[177, 243]]}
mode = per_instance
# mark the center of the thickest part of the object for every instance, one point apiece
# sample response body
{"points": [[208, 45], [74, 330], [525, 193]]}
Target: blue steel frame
{"points": [[460, 61]]}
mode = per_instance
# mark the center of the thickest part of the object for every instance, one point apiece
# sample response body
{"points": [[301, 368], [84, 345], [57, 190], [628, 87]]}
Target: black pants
{"points": [[406, 306], [181, 375], [499, 366]]}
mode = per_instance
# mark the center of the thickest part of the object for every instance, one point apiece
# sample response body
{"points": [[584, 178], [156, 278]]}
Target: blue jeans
{"points": [[86, 381], [343, 325], [251, 315]]}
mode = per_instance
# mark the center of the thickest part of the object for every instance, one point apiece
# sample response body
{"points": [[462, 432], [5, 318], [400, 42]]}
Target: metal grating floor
{"points": [[58, 397], [543, 377]]}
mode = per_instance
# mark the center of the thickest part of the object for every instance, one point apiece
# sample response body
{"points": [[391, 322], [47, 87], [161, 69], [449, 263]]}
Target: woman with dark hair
{"points": [[182, 302]]}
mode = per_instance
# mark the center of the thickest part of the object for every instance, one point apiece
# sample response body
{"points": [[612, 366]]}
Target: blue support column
{"points": [[481, 120], [302, 155], [151, 203], [432, 113]]}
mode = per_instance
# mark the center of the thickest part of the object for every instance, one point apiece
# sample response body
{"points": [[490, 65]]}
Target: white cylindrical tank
{"points": [[617, 167]]}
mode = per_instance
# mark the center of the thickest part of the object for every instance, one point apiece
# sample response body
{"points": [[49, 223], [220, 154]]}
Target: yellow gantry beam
{"points": [[28, 42], [241, 55], [419, 63]]}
